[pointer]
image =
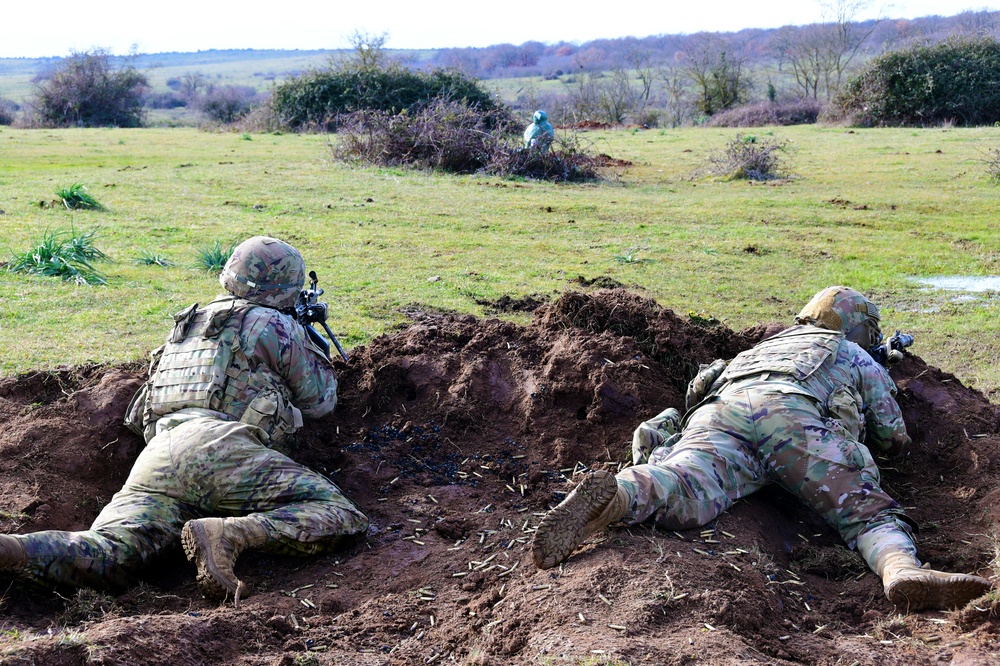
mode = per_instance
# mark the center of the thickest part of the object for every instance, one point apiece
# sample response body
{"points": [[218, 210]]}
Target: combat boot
{"points": [[911, 588], [593, 505], [213, 544], [12, 555]]}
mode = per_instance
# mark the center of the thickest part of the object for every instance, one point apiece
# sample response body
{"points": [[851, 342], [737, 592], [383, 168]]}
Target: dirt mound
{"points": [[455, 435]]}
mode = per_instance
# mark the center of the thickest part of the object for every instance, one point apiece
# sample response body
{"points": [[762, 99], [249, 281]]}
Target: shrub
{"points": [[926, 85], [8, 111], [86, 90], [259, 119], [453, 136], [66, 255], [165, 100], [76, 196], [319, 99], [227, 104], [447, 135], [564, 161], [991, 163], [746, 157], [797, 112]]}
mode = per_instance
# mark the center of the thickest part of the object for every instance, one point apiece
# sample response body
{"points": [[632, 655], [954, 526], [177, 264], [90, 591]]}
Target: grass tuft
{"points": [[213, 258], [65, 255], [76, 197], [152, 258], [631, 256]]}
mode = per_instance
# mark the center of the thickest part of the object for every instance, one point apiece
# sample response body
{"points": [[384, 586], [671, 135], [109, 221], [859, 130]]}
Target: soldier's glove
{"points": [[703, 381]]}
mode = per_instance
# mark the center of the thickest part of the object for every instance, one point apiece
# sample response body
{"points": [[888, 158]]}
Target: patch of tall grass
{"points": [[213, 258], [62, 254], [76, 197]]}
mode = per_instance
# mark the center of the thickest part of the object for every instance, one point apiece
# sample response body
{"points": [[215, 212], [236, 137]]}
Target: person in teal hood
{"points": [[539, 134]]}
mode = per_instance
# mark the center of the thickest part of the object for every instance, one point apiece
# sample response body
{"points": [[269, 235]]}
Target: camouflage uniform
{"points": [[234, 379], [792, 411]]}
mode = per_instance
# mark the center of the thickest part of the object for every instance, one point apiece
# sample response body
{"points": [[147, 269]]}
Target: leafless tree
{"points": [[821, 54], [719, 71], [607, 99], [978, 23], [369, 49], [192, 83], [641, 61], [804, 50], [675, 90], [846, 40]]}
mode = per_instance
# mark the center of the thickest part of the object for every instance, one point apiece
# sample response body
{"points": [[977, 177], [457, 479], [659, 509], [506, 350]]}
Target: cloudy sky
{"points": [[32, 28]]}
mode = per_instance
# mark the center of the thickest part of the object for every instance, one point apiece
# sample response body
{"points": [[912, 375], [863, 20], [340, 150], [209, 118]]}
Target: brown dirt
{"points": [[455, 434]]}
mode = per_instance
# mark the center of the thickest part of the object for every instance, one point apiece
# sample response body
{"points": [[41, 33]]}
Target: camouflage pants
{"points": [[750, 437], [202, 467]]}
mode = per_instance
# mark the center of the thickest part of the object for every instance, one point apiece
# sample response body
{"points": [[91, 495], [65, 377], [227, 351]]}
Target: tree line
{"points": [[657, 80]]}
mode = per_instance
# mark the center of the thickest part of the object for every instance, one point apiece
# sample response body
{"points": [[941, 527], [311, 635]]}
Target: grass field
{"points": [[868, 208]]}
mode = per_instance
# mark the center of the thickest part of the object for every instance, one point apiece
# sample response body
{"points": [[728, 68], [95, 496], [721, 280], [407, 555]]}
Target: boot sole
{"points": [[211, 581], [564, 527], [926, 593]]}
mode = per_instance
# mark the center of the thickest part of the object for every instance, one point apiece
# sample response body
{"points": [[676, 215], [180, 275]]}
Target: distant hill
{"points": [[536, 74]]}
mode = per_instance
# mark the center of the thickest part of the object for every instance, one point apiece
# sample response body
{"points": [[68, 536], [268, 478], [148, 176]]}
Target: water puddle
{"points": [[975, 290], [962, 282]]}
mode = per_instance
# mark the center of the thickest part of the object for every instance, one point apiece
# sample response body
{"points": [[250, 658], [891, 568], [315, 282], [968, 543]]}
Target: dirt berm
{"points": [[455, 435]]}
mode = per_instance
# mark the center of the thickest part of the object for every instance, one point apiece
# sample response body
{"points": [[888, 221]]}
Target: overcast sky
{"points": [[32, 28]]}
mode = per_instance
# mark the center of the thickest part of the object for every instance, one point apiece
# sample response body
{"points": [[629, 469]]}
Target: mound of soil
{"points": [[455, 435]]}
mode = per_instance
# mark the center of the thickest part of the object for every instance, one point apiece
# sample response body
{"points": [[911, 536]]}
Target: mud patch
{"points": [[454, 435]]}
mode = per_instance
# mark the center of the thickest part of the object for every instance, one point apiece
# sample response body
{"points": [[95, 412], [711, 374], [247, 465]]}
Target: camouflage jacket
{"points": [[239, 361], [845, 381]]}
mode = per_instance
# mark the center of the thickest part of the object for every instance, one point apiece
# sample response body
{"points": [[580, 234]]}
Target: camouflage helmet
{"points": [[845, 310], [265, 271]]}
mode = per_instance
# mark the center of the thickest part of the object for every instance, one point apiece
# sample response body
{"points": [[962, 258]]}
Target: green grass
{"points": [[213, 258], [76, 197], [152, 258], [66, 255], [869, 208]]}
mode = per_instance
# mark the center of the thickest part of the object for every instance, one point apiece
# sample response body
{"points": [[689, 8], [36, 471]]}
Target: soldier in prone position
{"points": [[230, 386], [794, 410]]}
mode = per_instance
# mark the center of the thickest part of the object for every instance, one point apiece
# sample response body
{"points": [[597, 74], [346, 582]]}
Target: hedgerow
{"points": [[761, 114], [955, 81], [319, 99]]}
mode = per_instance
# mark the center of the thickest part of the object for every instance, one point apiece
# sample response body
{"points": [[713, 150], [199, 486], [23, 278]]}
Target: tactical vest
{"points": [[798, 352], [205, 364]]}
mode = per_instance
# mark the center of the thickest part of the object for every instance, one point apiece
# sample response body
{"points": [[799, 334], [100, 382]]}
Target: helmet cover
{"points": [[265, 271], [845, 310]]}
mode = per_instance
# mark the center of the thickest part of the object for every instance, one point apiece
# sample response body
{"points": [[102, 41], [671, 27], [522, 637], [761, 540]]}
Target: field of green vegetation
{"points": [[867, 208]]}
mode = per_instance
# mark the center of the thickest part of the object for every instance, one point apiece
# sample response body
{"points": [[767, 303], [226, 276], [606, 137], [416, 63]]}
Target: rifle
{"points": [[890, 352], [310, 310]]}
